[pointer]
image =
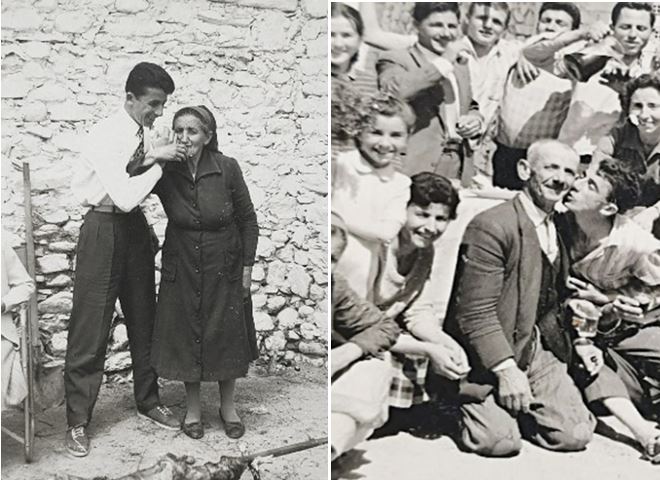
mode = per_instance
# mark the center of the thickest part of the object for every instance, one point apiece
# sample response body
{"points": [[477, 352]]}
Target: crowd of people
{"points": [[554, 313]]}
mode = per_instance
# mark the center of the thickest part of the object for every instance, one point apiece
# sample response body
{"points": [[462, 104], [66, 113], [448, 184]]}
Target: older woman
{"points": [[402, 289], [204, 328], [637, 142]]}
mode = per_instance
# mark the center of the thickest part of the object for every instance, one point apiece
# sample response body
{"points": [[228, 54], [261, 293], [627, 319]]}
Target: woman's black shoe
{"points": [[232, 429], [193, 430]]}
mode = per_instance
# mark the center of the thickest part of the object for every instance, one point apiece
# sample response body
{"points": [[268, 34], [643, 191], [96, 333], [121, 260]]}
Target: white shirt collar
{"points": [[535, 214], [427, 54], [363, 167]]}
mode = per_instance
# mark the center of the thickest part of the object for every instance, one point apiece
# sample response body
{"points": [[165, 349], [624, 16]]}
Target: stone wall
{"points": [[260, 65]]}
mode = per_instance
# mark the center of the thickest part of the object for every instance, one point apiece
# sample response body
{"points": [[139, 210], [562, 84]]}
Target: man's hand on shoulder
{"points": [[513, 390]]}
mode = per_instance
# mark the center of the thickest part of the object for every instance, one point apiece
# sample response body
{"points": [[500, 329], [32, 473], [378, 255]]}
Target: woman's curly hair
{"points": [[353, 113], [646, 80]]}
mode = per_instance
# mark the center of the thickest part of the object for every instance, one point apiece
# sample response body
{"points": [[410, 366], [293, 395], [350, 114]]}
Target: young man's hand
{"points": [[526, 71], [447, 362], [597, 31], [586, 291], [171, 152], [469, 125]]}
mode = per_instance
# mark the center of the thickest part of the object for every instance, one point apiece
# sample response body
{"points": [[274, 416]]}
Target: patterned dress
{"points": [[403, 293]]}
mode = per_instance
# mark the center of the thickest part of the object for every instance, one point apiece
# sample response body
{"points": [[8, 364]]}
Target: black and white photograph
{"points": [[165, 239], [495, 240]]}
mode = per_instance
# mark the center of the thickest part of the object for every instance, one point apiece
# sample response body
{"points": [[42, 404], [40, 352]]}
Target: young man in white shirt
{"points": [[115, 256], [617, 265]]}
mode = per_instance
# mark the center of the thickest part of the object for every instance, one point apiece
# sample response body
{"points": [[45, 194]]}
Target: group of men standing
{"points": [[508, 93]]}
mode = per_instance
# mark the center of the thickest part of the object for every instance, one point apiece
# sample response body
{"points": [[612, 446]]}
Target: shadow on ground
{"points": [[277, 410], [418, 443]]}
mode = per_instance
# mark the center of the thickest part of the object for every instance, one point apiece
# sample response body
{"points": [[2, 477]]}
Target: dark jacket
{"points": [[402, 73], [493, 306], [358, 321]]}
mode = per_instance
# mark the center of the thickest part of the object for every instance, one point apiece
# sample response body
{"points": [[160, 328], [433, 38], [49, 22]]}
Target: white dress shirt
{"points": [[488, 73], [101, 177]]}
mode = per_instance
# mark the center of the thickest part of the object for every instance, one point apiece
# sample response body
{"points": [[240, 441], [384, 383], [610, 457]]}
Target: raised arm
{"points": [[541, 53], [376, 36], [107, 156]]}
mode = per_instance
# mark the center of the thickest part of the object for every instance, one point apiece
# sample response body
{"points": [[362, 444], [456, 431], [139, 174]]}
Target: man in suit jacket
{"points": [[506, 312], [437, 87]]}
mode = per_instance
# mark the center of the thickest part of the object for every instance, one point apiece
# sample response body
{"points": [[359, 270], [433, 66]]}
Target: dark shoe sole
{"points": [[76, 453], [232, 429], [161, 425], [193, 430]]}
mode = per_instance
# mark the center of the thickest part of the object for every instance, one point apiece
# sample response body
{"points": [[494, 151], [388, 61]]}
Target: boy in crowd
{"points": [[437, 88]]}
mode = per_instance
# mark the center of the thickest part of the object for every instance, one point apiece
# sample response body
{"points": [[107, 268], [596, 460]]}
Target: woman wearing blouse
{"points": [[204, 328], [637, 143], [368, 192], [402, 290]]}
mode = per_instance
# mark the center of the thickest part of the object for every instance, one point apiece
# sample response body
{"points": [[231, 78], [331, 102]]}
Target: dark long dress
{"points": [[204, 328]]}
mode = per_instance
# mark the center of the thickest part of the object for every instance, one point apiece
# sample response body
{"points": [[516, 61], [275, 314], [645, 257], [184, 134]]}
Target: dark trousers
{"points": [[626, 364], [505, 167], [561, 422], [114, 260]]}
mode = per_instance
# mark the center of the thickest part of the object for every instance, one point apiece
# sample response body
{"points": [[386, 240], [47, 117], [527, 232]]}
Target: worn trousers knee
{"points": [[489, 430]]}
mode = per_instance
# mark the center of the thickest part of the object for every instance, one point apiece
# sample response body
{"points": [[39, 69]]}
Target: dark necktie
{"points": [[138, 155]]}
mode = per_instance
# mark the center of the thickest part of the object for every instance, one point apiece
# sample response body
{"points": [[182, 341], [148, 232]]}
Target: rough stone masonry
{"points": [[261, 67]]}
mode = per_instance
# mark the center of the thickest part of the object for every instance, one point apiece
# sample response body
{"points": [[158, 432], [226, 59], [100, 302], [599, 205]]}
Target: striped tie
{"points": [[138, 155]]}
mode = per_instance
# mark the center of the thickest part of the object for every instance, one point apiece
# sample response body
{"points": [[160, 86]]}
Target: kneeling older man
{"points": [[505, 310]]}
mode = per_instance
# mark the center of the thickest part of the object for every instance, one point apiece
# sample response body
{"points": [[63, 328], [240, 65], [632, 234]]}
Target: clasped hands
{"points": [[448, 358]]}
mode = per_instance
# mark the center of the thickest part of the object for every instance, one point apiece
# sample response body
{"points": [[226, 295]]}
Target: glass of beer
{"points": [[584, 318]]}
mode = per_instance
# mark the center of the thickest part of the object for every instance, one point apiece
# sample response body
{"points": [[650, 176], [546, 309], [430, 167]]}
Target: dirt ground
{"points": [[431, 454], [278, 410]]}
